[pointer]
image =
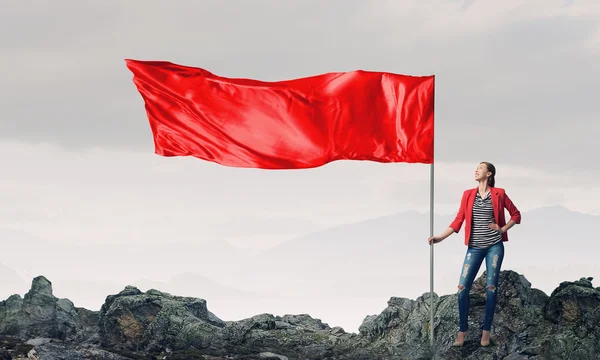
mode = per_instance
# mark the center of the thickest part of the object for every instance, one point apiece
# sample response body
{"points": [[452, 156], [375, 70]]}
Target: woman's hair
{"points": [[491, 168]]}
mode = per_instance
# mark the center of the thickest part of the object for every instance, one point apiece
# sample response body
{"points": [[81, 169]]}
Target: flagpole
{"points": [[431, 188], [431, 254]]}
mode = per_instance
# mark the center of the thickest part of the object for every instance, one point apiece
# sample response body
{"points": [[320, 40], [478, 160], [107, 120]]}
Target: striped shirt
{"points": [[483, 215]]}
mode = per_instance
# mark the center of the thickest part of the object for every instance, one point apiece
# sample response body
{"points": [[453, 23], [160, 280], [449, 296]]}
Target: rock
{"points": [[270, 355], [305, 321], [40, 288], [153, 320], [337, 331], [40, 314], [32, 355], [571, 300], [38, 341], [397, 312], [13, 348], [515, 356], [68, 351], [155, 325]]}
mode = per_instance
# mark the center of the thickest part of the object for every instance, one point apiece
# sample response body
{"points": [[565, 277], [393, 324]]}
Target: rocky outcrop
{"points": [[154, 321], [40, 314], [136, 325]]}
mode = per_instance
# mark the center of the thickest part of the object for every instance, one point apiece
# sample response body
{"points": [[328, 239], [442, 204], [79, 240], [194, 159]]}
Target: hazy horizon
{"points": [[360, 265]]}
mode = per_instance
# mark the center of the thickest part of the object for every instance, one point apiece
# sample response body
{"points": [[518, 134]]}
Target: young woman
{"points": [[485, 232]]}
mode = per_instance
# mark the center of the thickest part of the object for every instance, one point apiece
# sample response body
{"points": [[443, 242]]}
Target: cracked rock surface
{"points": [[155, 325]]}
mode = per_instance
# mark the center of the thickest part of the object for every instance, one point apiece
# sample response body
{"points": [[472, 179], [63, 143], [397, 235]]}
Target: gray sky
{"points": [[507, 73], [516, 84]]}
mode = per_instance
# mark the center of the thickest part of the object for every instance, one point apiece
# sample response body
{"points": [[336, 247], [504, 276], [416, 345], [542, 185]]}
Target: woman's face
{"points": [[481, 172]]}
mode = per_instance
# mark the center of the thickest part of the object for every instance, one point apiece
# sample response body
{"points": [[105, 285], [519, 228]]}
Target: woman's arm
{"points": [[439, 238], [449, 231], [515, 214], [508, 225]]}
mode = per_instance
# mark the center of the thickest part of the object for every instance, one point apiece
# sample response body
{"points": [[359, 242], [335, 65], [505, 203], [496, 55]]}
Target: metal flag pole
{"points": [[431, 255], [431, 187]]}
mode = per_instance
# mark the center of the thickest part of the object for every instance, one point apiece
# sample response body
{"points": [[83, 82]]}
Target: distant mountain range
{"points": [[387, 254]]}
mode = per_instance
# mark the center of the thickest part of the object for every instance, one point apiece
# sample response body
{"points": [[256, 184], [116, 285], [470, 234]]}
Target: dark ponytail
{"points": [[491, 168]]}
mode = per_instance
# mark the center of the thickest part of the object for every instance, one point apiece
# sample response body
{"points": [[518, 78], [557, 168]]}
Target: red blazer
{"points": [[500, 201]]}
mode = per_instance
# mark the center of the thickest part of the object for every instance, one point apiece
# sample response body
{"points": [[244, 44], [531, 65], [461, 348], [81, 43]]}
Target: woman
{"points": [[485, 232]]}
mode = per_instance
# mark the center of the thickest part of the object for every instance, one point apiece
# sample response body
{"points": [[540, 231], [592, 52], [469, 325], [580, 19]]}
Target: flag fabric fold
{"points": [[293, 124]]}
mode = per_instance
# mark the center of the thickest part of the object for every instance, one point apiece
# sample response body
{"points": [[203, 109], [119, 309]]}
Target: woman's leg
{"points": [[472, 262], [493, 263]]}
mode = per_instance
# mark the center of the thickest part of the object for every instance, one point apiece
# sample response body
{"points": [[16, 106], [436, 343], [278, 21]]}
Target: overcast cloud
{"points": [[511, 75]]}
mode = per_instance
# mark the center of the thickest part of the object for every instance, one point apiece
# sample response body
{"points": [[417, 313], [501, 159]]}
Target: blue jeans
{"points": [[493, 260]]}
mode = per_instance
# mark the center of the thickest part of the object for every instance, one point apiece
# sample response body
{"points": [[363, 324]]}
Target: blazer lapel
{"points": [[470, 202], [495, 203]]}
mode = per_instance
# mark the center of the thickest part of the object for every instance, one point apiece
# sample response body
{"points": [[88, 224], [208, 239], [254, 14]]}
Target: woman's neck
{"points": [[483, 187]]}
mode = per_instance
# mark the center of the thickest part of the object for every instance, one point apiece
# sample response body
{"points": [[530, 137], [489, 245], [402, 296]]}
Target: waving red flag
{"points": [[293, 124]]}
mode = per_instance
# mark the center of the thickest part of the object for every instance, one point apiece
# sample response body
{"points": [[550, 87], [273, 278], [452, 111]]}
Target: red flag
{"points": [[293, 124]]}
